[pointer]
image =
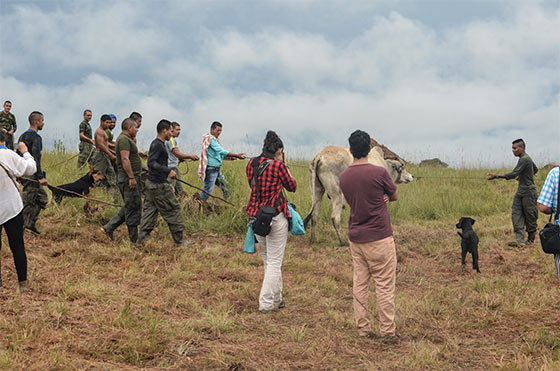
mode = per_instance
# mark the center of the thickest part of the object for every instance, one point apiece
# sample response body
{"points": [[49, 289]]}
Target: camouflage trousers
{"points": [[161, 199], [524, 215], [102, 162], [86, 154], [34, 199], [131, 212], [178, 186]]}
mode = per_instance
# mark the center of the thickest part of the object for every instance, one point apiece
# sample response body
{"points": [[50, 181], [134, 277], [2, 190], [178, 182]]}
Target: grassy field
{"points": [[110, 305]]}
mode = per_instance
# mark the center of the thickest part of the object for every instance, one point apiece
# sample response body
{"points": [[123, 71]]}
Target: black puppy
{"points": [[80, 186], [469, 241]]}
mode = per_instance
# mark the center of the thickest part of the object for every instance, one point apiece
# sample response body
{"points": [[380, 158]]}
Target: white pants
{"points": [[272, 252]]}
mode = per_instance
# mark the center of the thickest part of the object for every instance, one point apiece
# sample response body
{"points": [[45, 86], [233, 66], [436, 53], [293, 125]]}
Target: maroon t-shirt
{"points": [[363, 187]]}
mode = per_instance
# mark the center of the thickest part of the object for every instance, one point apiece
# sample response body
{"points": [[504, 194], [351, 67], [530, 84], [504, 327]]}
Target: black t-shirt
{"points": [[34, 144], [157, 162]]}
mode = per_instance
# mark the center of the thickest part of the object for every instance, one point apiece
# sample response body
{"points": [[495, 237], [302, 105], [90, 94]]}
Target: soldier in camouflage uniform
{"points": [[86, 141], [159, 194], [102, 157], [34, 196], [524, 211], [110, 139], [128, 181], [8, 124]]}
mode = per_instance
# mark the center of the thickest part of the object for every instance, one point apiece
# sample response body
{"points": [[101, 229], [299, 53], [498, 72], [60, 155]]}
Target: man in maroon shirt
{"points": [[367, 189]]}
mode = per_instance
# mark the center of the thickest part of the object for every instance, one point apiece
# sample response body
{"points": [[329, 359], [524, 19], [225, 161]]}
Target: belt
{"points": [[212, 167]]}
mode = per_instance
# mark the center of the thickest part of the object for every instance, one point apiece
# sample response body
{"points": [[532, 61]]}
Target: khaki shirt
{"points": [[126, 143]]}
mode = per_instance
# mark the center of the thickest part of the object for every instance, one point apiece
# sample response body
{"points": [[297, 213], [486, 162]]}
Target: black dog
{"points": [[469, 241], [80, 186]]}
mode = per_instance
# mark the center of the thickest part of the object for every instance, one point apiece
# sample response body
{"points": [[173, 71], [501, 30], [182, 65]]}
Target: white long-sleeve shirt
{"points": [[17, 166]]}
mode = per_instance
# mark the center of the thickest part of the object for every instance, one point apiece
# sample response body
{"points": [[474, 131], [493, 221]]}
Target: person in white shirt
{"points": [[13, 166]]}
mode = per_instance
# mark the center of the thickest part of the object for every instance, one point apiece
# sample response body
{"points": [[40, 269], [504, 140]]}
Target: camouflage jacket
{"points": [[8, 121]]}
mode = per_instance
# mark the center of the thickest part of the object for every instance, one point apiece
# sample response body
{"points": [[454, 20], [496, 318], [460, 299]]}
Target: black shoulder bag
{"points": [[550, 234], [261, 223]]}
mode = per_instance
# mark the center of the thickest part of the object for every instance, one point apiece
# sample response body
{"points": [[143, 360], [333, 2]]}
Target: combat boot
{"points": [[531, 237], [180, 241], [133, 233]]}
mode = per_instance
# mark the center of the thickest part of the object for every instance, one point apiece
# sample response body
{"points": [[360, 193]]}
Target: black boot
{"points": [[133, 233], [531, 237], [142, 238]]}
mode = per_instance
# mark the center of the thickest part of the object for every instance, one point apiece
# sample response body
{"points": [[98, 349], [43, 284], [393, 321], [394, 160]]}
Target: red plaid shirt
{"points": [[270, 184]]}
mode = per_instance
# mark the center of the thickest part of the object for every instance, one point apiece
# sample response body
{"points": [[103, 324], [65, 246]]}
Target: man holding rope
{"points": [[103, 156], [86, 141], [128, 180], [159, 193], [524, 212], [176, 156], [34, 196], [211, 159]]}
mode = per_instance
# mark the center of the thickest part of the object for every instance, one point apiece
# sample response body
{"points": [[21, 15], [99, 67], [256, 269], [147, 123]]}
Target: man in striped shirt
{"points": [[548, 202]]}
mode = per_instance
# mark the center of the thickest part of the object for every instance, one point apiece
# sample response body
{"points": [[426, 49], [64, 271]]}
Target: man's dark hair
{"points": [[127, 123], [3, 136], [7, 102], [105, 117], [86, 111], [272, 143], [135, 116], [175, 124], [162, 125], [519, 141], [34, 116], [215, 124], [360, 143]]}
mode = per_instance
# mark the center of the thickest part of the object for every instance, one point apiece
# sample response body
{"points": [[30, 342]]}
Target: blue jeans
{"points": [[214, 177]]}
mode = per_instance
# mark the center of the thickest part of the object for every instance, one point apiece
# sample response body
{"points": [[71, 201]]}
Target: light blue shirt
{"points": [[549, 192], [549, 197], [216, 153]]}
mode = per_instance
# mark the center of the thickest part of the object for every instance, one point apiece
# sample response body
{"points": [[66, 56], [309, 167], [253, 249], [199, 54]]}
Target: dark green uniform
{"points": [[34, 196], [85, 148], [524, 212], [8, 122], [131, 212], [102, 162], [110, 136]]}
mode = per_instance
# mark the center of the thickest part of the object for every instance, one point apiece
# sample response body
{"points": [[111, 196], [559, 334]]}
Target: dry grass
{"points": [[101, 304]]}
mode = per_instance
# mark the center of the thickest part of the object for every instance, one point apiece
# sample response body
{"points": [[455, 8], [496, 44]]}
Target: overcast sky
{"points": [[458, 80]]}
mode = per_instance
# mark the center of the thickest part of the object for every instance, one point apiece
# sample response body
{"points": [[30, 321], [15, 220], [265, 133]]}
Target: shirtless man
{"points": [[103, 156]]}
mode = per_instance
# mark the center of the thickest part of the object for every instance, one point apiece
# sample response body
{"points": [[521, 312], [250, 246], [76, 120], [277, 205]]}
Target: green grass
{"points": [[111, 305]]}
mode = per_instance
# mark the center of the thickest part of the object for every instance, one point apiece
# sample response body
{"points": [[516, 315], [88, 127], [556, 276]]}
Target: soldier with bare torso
{"points": [[102, 157]]}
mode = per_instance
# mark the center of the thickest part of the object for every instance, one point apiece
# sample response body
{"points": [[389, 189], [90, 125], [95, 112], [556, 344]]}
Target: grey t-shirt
{"points": [[172, 160]]}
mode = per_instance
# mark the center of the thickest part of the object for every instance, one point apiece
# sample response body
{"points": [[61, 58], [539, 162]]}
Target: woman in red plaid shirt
{"points": [[269, 184]]}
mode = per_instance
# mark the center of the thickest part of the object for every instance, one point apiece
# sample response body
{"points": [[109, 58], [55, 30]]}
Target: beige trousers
{"points": [[272, 252], [376, 259]]}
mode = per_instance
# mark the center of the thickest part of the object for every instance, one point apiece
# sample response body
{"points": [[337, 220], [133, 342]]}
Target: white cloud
{"points": [[83, 35], [424, 91]]}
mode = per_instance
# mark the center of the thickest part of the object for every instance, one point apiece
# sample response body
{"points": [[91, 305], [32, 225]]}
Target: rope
{"points": [[187, 166], [448, 177], [62, 162], [459, 178], [288, 164], [87, 160], [75, 193], [200, 189]]}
